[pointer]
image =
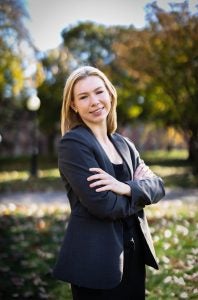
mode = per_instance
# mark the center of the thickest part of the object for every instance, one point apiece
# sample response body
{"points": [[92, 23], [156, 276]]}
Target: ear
{"points": [[72, 105]]}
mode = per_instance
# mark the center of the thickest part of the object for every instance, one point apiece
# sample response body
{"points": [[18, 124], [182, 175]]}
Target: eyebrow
{"points": [[100, 87]]}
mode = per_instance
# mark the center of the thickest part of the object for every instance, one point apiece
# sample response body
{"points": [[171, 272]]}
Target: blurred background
{"points": [[149, 50]]}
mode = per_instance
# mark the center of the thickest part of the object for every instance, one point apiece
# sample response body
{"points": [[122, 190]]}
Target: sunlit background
{"points": [[149, 50]]}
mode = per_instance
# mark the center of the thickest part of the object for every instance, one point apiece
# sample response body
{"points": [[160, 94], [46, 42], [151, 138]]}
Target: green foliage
{"points": [[173, 230], [163, 60], [173, 52], [154, 69], [12, 76], [50, 92], [11, 73], [12, 32], [30, 245], [49, 112], [13, 14], [89, 43]]}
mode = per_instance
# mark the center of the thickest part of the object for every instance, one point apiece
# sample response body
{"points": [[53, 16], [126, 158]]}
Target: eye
{"points": [[83, 97], [99, 92]]}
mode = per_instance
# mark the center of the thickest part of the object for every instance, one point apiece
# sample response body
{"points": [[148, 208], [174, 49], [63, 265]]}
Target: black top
{"points": [[121, 172]]}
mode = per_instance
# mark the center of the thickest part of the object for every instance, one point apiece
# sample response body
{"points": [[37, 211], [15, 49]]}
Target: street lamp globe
{"points": [[33, 103]]}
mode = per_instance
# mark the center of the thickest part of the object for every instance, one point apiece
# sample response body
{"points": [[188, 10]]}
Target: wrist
{"points": [[126, 190]]}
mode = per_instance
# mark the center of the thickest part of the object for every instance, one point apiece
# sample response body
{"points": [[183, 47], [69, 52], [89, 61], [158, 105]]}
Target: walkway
{"points": [[59, 197]]}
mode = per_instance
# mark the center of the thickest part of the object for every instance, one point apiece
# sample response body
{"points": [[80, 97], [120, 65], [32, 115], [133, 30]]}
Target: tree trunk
{"points": [[193, 151], [51, 137]]}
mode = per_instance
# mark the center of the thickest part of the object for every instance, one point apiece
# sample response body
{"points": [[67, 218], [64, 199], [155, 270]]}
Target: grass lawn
{"points": [[30, 237], [172, 166]]}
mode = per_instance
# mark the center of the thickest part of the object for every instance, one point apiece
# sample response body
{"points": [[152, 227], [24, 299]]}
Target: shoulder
{"points": [[125, 140], [80, 135], [77, 133]]}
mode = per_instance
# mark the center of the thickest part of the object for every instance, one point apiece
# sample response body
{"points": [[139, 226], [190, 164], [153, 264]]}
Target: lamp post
{"points": [[33, 105]]}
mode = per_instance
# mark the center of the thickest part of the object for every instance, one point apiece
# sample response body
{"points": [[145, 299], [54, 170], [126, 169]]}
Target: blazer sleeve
{"points": [[145, 191], [75, 157]]}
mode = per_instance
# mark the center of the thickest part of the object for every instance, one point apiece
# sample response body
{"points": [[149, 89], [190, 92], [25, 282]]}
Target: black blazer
{"points": [[91, 254]]}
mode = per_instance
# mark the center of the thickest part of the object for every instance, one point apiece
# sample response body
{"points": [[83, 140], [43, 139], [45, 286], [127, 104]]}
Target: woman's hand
{"points": [[143, 172], [105, 182]]}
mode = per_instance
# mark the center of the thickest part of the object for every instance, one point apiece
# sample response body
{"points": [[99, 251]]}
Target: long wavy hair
{"points": [[69, 118]]}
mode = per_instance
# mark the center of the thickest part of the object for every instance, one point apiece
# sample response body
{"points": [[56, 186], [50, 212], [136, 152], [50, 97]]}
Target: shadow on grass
{"points": [[173, 167], [185, 180], [174, 158], [32, 185], [168, 162], [163, 158], [24, 163]]}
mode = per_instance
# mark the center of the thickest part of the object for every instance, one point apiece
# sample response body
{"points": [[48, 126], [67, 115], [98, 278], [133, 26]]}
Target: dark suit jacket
{"points": [[91, 254]]}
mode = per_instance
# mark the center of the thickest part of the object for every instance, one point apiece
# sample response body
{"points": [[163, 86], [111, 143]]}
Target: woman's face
{"points": [[91, 100]]}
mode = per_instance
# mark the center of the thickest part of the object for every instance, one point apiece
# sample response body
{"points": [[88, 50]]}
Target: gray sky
{"points": [[49, 17]]}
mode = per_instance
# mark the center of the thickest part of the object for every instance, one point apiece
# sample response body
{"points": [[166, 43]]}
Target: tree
{"points": [[164, 59], [55, 66], [89, 43], [12, 32], [86, 43], [92, 44], [12, 16]]}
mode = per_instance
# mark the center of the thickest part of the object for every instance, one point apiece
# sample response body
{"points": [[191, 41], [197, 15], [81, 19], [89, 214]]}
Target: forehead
{"points": [[88, 83]]}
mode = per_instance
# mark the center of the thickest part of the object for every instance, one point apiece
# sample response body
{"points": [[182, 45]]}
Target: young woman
{"points": [[107, 241]]}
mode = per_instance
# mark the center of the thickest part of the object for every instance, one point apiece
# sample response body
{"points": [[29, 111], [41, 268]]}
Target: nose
{"points": [[94, 100]]}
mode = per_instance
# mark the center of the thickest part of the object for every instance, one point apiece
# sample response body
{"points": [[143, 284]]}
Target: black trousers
{"points": [[132, 286]]}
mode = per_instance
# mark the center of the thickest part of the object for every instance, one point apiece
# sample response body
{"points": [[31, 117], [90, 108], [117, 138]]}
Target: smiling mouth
{"points": [[97, 110]]}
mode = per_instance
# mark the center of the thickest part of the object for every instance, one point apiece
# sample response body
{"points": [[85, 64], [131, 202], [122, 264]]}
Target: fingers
{"points": [[97, 170], [103, 188], [143, 172], [141, 169], [100, 174], [99, 183], [102, 180]]}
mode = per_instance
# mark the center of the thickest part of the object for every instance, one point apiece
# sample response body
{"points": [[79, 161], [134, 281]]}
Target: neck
{"points": [[100, 133]]}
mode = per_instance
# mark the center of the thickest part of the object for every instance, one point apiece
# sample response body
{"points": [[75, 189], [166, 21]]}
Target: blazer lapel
{"points": [[101, 153], [123, 149], [120, 145]]}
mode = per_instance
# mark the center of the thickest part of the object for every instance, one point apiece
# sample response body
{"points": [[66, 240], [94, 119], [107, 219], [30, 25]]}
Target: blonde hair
{"points": [[70, 119]]}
